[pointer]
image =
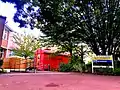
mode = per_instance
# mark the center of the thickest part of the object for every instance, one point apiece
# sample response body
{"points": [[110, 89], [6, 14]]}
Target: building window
{"points": [[11, 53], [5, 35], [2, 52]]}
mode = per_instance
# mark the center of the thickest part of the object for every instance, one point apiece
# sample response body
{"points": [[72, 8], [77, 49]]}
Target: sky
{"points": [[8, 10]]}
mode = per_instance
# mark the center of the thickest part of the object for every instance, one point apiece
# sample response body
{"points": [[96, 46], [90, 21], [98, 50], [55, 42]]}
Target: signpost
{"points": [[102, 62]]}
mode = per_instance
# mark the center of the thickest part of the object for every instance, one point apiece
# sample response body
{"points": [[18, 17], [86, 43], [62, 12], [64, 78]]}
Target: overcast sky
{"points": [[8, 10]]}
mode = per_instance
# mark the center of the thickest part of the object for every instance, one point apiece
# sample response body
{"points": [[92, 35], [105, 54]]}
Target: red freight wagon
{"points": [[44, 60]]}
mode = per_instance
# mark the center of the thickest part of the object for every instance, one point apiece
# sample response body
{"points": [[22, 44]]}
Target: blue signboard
{"points": [[106, 61], [102, 62]]}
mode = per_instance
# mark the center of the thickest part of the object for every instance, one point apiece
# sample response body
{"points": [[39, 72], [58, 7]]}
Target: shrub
{"points": [[89, 67], [66, 67], [116, 71], [104, 71], [78, 67], [108, 71], [117, 64], [77, 63]]}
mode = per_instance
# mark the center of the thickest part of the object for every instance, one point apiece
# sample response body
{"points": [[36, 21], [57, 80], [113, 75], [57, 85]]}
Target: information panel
{"points": [[102, 62]]}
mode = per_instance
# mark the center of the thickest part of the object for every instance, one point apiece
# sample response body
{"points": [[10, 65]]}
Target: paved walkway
{"points": [[58, 81], [33, 73]]}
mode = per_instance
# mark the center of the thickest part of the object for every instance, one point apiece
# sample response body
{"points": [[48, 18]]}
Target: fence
{"points": [[21, 65], [18, 64]]}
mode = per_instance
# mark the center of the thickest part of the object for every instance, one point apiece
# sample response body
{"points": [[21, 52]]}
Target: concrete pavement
{"points": [[58, 81]]}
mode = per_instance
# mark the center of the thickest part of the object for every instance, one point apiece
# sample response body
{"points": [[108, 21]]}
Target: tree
{"points": [[100, 25], [26, 45], [95, 22], [82, 50], [38, 14]]}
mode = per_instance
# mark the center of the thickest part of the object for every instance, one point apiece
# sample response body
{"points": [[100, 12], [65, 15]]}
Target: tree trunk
{"points": [[82, 53], [70, 50]]}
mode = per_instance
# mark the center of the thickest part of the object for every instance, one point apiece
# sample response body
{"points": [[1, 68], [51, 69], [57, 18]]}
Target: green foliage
{"points": [[26, 45], [89, 67], [51, 17], [116, 64], [108, 71], [116, 71], [67, 22], [104, 71], [75, 65], [75, 59], [78, 67], [66, 67], [78, 63]]}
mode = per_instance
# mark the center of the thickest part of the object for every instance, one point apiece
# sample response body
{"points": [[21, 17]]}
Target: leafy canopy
{"points": [[67, 22], [26, 45]]}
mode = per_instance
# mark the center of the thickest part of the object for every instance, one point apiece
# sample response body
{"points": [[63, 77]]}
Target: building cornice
{"points": [[3, 17]]}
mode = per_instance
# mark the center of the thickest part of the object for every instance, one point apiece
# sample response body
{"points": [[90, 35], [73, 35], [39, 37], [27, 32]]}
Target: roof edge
{"points": [[3, 17]]}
